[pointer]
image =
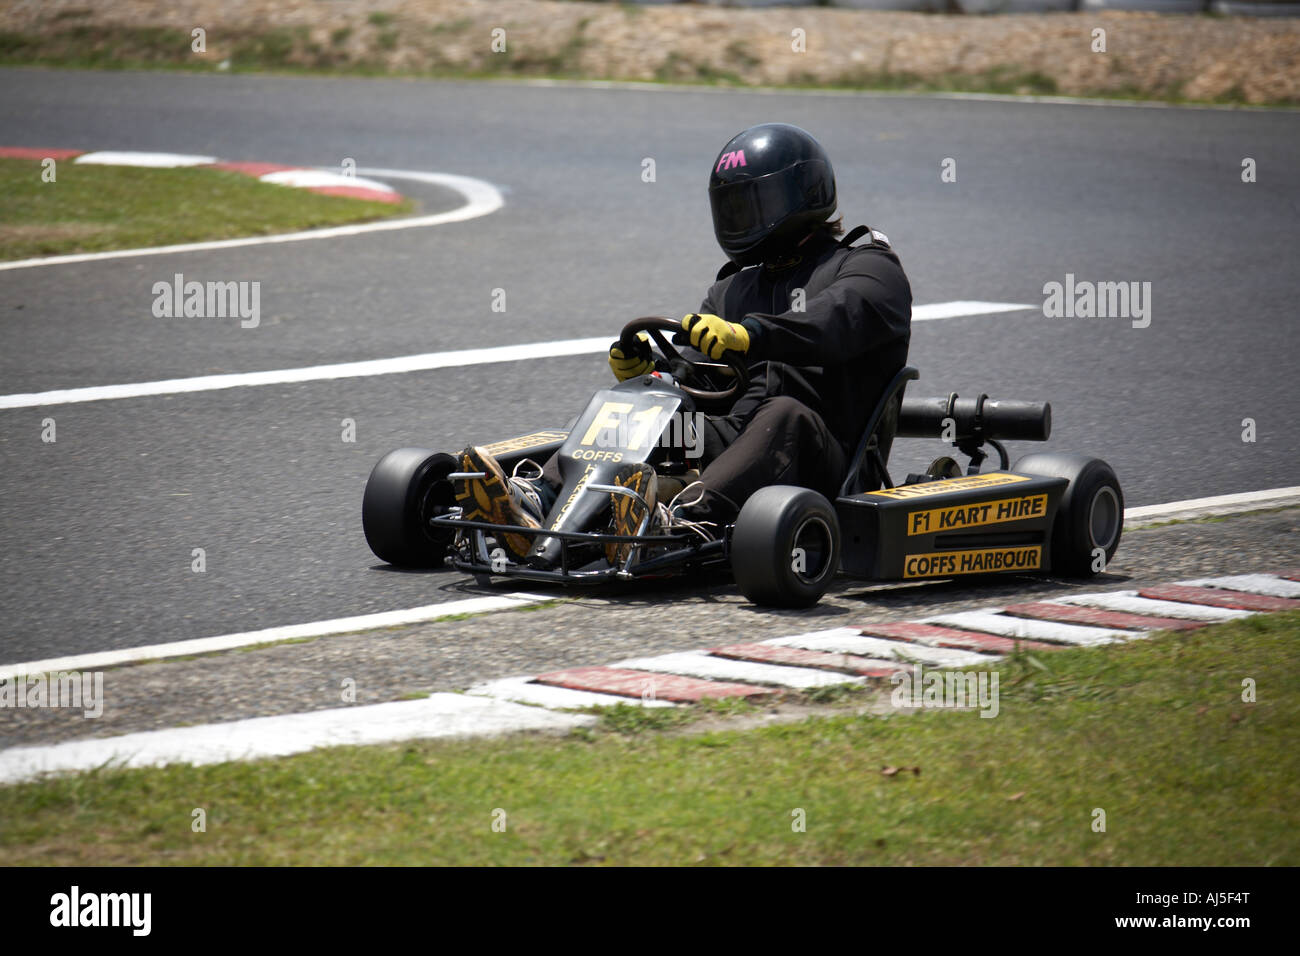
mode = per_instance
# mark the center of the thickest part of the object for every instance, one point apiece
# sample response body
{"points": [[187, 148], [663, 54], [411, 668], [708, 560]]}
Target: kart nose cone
{"points": [[545, 553]]}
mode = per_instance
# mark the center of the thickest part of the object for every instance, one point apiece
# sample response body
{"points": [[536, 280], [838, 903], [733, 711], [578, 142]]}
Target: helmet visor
{"points": [[746, 211]]}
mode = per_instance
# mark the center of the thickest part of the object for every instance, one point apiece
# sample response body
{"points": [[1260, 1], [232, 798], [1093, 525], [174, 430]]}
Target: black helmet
{"points": [[771, 185]]}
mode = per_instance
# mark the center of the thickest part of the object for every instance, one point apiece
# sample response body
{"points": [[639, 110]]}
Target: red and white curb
{"points": [[962, 639], [543, 702], [326, 182]]}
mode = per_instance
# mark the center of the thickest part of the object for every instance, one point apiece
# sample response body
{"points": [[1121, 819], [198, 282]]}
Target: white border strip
{"points": [[225, 642], [481, 198], [1129, 602], [990, 621], [146, 160], [522, 690], [851, 641], [438, 715], [1267, 584], [319, 178], [704, 665], [1218, 505]]}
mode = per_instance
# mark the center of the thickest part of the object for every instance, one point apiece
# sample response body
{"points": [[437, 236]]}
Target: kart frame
{"points": [[1053, 512], [867, 471]]}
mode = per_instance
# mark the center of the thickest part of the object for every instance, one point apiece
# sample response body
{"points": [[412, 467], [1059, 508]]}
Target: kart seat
{"points": [[867, 471]]}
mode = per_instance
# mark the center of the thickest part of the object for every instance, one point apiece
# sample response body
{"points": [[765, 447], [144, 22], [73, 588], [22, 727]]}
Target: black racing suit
{"points": [[816, 372]]}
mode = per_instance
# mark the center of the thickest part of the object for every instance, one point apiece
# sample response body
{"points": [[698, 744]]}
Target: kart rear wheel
{"points": [[405, 489], [1091, 515], [785, 548]]}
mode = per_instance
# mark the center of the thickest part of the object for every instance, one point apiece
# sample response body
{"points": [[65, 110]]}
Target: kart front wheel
{"points": [[405, 489], [1090, 519], [785, 548]]}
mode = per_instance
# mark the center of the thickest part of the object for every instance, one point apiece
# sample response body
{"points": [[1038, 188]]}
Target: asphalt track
{"points": [[98, 527]]}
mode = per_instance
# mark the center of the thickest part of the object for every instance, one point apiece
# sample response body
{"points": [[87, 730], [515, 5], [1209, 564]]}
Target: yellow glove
{"points": [[630, 366], [713, 335]]}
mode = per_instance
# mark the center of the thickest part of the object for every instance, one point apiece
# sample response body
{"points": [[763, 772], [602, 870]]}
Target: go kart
{"points": [[1054, 512]]}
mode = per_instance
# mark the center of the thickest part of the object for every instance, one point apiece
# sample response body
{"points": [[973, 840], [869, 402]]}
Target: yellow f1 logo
{"points": [[609, 416]]}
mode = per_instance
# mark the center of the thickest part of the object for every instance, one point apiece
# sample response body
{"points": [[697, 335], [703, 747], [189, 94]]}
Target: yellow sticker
{"points": [[535, 440], [949, 485], [943, 564], [615, 425], [971, 516]]}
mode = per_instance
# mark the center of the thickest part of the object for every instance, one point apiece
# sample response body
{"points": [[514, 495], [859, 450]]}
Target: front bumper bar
{"points": [[684, 547]]}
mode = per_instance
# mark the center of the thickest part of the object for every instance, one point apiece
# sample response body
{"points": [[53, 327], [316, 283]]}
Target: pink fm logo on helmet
{"points": [[728, 160]]}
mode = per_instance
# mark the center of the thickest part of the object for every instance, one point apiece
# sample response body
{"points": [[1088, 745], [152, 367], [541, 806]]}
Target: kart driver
{"points": [[823, 324]]}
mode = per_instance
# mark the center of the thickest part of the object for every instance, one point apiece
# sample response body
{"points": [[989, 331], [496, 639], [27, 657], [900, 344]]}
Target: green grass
{"points": [[95, 208], [630, 719], [522, 609], [1155, 733], [633, 719]]}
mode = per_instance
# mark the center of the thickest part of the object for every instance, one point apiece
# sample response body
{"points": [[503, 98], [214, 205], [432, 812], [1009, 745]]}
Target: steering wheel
{"points": [[732, 362]]}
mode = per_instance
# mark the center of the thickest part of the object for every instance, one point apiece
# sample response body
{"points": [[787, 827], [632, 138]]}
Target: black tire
{"points": [[404, 490], [774, 522], [1091, 515]]}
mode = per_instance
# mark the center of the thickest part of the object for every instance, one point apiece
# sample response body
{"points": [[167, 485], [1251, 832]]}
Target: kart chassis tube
{"points": [[610, 489], [692, 548]]}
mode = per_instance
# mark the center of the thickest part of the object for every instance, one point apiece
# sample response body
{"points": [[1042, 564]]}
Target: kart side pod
{"points": [[938, 529], [1054, 512]]}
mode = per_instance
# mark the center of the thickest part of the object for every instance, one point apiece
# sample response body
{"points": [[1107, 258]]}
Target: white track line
{"points": [[439, 715], [1220, 504], [207, 645], [849, 641], [954, 310], [389, 366], [702, 664], [1130, 602], [523, 690], [481, 198], [989, 621], [1265, 584]]}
